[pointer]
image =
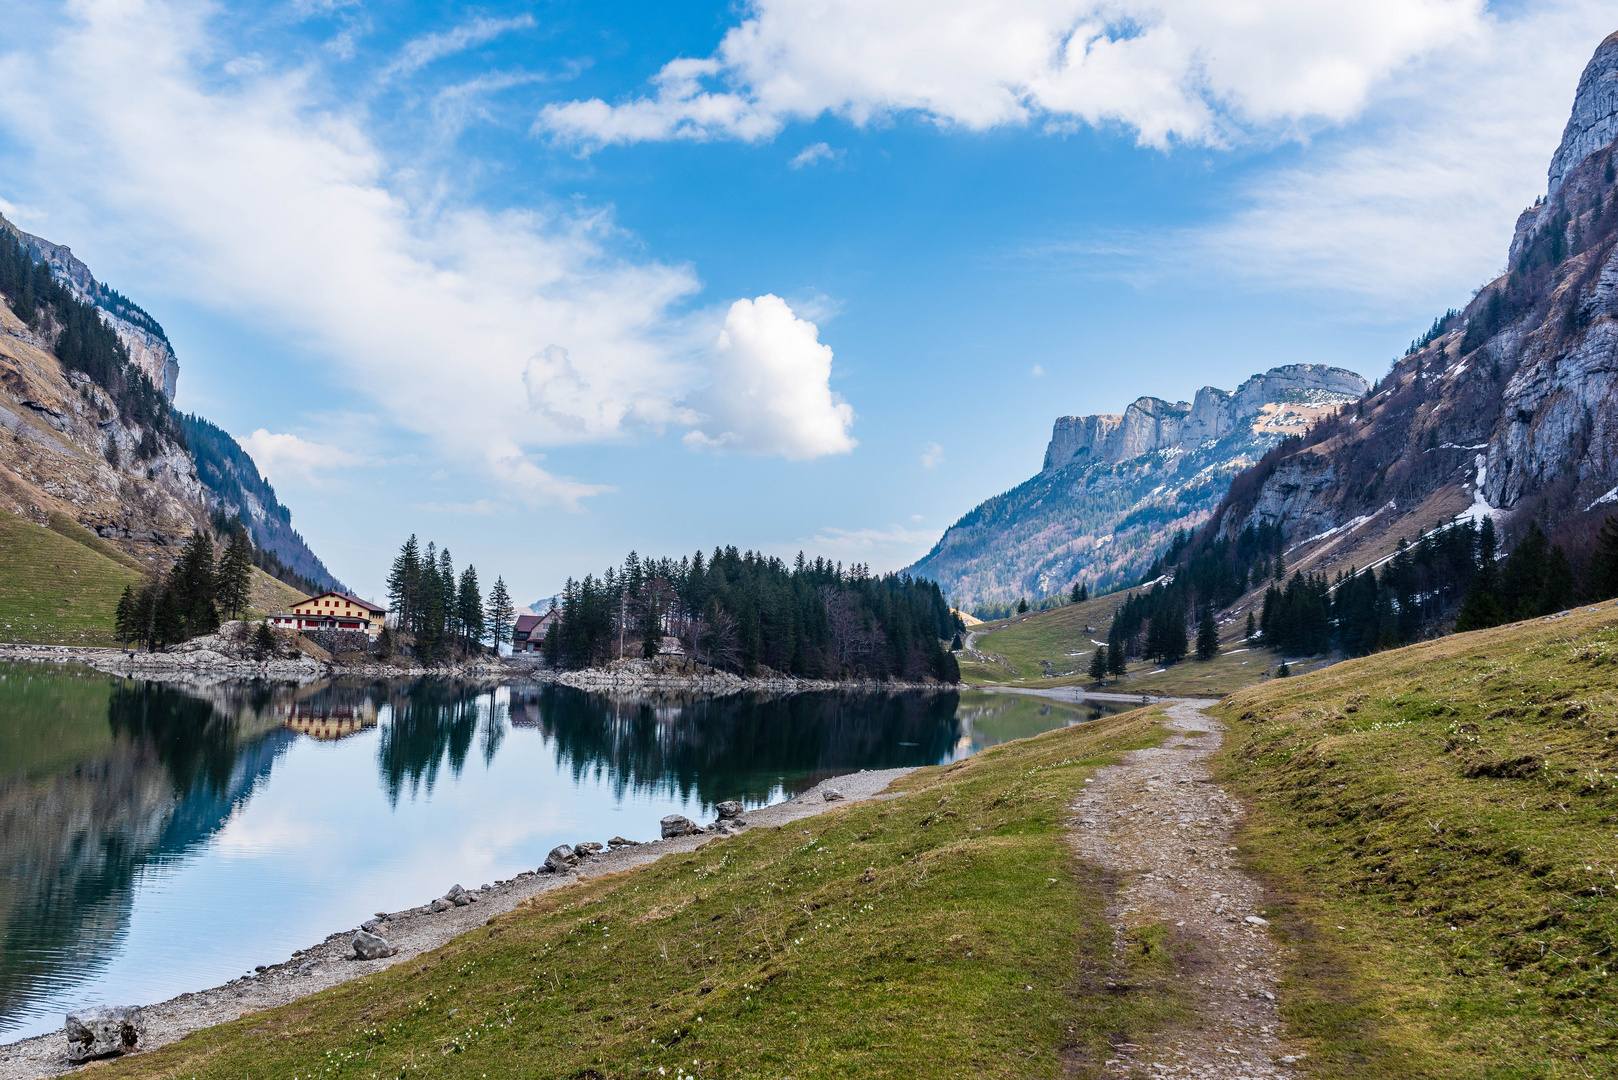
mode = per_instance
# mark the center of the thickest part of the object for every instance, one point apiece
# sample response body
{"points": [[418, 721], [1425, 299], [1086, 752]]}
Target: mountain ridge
{"points": [[1113, 487]]}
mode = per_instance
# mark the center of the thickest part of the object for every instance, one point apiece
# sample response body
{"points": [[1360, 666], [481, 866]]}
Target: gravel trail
{"points": [[1163, 829]]}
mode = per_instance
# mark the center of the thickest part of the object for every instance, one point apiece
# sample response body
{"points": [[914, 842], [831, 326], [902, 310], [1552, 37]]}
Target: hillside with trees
{"points": [[752, 613]]}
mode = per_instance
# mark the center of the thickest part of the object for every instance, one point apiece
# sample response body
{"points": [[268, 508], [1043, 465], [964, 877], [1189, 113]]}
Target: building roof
{"points": [[350, 597], [526, 623]]}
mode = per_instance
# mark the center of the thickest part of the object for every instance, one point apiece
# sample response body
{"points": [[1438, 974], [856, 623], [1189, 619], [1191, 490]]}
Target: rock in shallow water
{"points": [[102, 1031], [677, 825], [369, 946]]}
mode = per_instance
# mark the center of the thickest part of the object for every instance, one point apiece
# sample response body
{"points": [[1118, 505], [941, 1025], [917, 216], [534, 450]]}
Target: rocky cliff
{"points": [[148, 346], [1507, 409], [1114, 487], [123, 466]]}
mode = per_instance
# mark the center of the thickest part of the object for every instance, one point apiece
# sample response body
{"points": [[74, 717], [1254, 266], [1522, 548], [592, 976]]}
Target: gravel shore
{"points": [[412, 931]]}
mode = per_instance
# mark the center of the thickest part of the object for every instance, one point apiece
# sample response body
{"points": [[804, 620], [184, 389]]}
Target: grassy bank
{"points": [[57, 585], [1439, 827], [1052, 648], [946, 932]]}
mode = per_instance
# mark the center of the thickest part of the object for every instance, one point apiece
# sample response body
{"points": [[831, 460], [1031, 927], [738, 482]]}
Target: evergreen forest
{"points": [[439, 616], [752, 613]]}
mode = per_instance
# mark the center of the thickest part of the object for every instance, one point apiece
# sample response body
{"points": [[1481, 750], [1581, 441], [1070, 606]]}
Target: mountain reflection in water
{"points": [[157, 838]]}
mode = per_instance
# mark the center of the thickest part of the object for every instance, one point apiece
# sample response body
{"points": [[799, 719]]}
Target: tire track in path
{"points": [[1163, 830]]}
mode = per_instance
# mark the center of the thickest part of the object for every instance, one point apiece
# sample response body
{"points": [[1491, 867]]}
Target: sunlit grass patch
{"points": [[1442, 834]]}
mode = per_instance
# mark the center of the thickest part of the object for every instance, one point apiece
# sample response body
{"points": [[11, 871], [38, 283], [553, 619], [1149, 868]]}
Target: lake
{"points": [[160, 837]]}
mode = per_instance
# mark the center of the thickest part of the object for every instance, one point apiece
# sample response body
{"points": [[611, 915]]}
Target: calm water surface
{"points": [[159, 838]]}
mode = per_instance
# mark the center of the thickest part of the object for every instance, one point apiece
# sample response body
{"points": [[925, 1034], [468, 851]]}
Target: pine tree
{"points": [[1022, 606], [1117, 657], [651, 633], [234, 584], [469, 609], [451, 600], [264, 645], [1207, 636], [1252, 627], [500, 614], [1280, 565], [404, 581], [123, 619], [1084, 592], [1481, 608], [191, 585], [1073, 597], [1098, 664], [1601, 583]]}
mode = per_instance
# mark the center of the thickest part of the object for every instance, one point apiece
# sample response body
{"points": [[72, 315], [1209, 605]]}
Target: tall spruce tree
{"points": [[469, 609], [191, 584], [1601, 581], [123, 619], [235, 573], [452, 598], [404, 583], [1207, 635], [500, 614]]}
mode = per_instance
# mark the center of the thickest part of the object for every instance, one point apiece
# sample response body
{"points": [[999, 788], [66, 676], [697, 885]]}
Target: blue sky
{"points": [[546, 282]]}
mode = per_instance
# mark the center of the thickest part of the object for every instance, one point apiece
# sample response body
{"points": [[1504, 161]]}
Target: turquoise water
{"points": [[156, 838]]}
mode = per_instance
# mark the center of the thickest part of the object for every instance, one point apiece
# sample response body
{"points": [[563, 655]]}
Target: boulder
{"points": [[458, 896], [617, 842], [676, 825], [368, 946], [561, 858], [103, 1031], [587, 847], [375, 926], [728, 810], [439, 905], [831, 794]]}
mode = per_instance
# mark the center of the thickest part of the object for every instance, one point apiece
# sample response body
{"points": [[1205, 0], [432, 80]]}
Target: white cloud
{"points": [[1416, 203], [932, 456], [1036, 372], [488, 334], [812, 153], [771, 392], [1169, 69], [284, 457], [419, 52]]}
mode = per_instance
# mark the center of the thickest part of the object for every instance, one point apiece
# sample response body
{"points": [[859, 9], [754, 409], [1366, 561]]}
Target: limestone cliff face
{"points": [[1512, 410], [1151, 424], [148, 347], [1113, 488]]}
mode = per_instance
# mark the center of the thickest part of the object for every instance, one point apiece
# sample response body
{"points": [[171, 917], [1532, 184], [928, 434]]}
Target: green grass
{"points": [[57, 589], [1024, 648], [1440, 828], [948, 932]]}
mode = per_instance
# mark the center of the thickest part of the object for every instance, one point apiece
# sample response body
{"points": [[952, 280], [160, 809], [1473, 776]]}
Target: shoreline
{"points": [[181, 665], [416, 930]]}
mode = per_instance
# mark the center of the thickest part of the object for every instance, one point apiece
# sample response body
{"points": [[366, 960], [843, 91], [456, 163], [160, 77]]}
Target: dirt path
{"points": [[413, 932], [1163, 829]]}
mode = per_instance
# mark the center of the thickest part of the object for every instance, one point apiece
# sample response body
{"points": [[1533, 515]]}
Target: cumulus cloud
{"points": [[285, 458], [771, 391], [932, 456], [490, 334], [1191, 70], [1036, 372], [812, 153], [1417, 201]]}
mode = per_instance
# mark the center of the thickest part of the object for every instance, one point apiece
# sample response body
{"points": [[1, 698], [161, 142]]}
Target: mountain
{"points": [[1507, 409], [89, 438], [1114, 488]]}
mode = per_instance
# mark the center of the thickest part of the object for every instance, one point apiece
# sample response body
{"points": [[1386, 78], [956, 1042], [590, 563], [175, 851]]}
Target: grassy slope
{"points": [[56, 589], [271, 596], [973, 945], [1020, 643], [1445, 924]]}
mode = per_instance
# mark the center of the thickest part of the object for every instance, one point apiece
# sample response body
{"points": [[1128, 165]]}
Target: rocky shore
{"points": [[218, 655], [390, 938]]}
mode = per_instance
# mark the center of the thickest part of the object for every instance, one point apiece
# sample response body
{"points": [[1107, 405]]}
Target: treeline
{"points": [[748, 612], [438, 615], [83, 342], [189, 600]]}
